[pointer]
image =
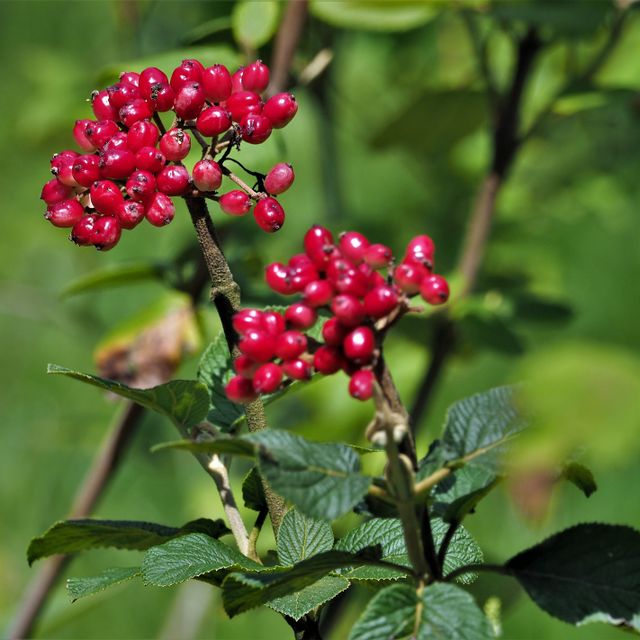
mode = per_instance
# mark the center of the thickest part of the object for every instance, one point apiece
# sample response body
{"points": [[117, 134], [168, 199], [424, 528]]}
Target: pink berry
{"points": [[297, 369], [273, 323], [148, 78], [106, 233], [216, 81], [213, 121], [421, 249], [255, 128], [247, 319], [101, 106], [86, 170], [327, 360], [141, 185], [258, 345], [207, 175], [80, 135], [142, 134], [255, 77], [269, 214], [54, 191], [348, 309], [173, 180], [300, 316], [240, 390], [434, 289], [353, 246], [106, 197], [82, 232], [245, 366], [99, 133], [160, 210], [408, 277], [278, 277], [161, 97], [279, 179], [280, 109], [290, 345], [117, 164], [130, 214], [359, 345], [189, 101], [243, 103], [267, 378], [64, 213], [150, 159], [361, 384], [380, 301], [175, 144], [235, 203], [134, 111], [378, 255], [188, 71], [318, 293], [334, 332]]}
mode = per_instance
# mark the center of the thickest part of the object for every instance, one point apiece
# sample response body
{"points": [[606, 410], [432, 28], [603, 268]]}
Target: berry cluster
{"points": [[132, 165], [343, 280]]}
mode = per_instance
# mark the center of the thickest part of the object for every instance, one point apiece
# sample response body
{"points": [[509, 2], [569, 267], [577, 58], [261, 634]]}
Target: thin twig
{"points": [[256, 195], [255, 533], [446, 541], [473, 568]]}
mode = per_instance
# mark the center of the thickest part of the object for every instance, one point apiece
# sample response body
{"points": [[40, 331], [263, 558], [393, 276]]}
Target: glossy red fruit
{"points": [[267, 378], [245, 366], [142, 134], [102, 108], [278, 277], [255, 77], [378, 256], [235, 203], [334, 332], [317, 241], [258, 345], [408, 277], [130, 77], [175, 144], [86, 170], [207, 175], [100, 132], [434, 289], [117, 164], [106, 233], [348, 309], [352, 282], [188, 71], [130, 214], [141, 185], [148, 78], [269, 214], [255, 128], [302, 271], [54, 191], [118, 141], [80, 136], [189, 101], [297, 369], [353, 245], [236, 81], [300, 316], [421, 249], [64, 213], [359, 345], [62, 167], [173, 180], [318, 293], [82, 232], [216, 81], [160, 210], [290, 345], [150, 159], [273, 323], [247, 319], [121, 93], [361, 384], [162, 97], [106, 197], [243, 103], [327, 360], [134, 111], [240, 390], [213, 121], [280, 109], [380, 301], [279, 179]]}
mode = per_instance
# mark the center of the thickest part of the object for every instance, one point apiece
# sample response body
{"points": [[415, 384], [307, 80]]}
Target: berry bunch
{"points": [[343, 280], [132, 165]]}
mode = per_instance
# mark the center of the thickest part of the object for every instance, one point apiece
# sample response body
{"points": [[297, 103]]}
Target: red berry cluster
{"points": [[132, 165], [342, 278]]}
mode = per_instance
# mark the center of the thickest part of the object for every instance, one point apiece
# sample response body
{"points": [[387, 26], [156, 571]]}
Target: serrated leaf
{"points": [[253, 491], [439, 611], [321, 480], [71, 536], [191, 556], [581, 477], [81, 587], [463, 549], [300, 537], [254, 23], [308, 598], [218, 445], [116, 276], [590, 572], [184, 402]]}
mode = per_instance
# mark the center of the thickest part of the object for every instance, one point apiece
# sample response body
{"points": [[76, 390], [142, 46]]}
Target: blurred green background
{"points": [[393, 140]]}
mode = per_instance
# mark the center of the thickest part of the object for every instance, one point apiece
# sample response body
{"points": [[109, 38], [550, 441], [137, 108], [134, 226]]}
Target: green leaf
{"points": [[321, 480], [528, 306], [308, 598], [374, 15], [581, 477], [490, 331], [439, 611], [188, 557], [115, 276], [253, 491], [81, 587], [184, 402], [590, 572], [71, 536], [300, 537], [254, 23], [218, 445]]}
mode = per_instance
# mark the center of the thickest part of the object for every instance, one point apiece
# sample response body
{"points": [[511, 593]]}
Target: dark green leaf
{"points": [[587, 573], [253, 491], [581, 477], [439, 611], [254, 23], [537, 309], [322, 480], [485, 331], [308, 598], [184, 402], [80, 587], [115, 276], [300, 537], [71, 536]]}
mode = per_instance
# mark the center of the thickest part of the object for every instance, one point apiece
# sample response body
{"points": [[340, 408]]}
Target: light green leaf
{"points": [[308, 598], [300, 537], [115, 276], [254, 23], [81, 587]]}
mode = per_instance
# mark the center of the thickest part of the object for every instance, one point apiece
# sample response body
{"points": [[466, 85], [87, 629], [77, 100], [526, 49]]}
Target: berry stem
{"points": [[242, 184], [159, 123]]}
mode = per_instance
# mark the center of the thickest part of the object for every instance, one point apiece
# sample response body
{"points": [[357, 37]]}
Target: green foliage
{"points": [[300, 537], [254, 23], [309, 598], [253, 491], [81, 587], [116, 276]]}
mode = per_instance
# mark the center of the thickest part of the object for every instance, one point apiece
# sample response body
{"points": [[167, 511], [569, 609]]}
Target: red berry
{"points": [[352, 282], [421, 249], [434, 289], [118, 141], [130, 214], [255, 77], [245, 366], [327, 360], [236, 81], [150, 159], [258, 345], [117, 164], [64, 213], [380, 301], [54, 191], [267, 378], [300, 316], [101, 106], [246, 319], [278, 277], [359, 345], [130, 77], [353, 245], [235, 203], [348, 309], [148, 78], [189, 101], [280, 109], [290, 345], [106, 197], [302, 271], [378, 255], [216, 81], [361, 384], [161, 97], [80, 136], [175, 144], [243, 103], [142, 134], [408, 276], [240, 390], [134, 111], [120, 94], [279, 179], [213, 121], [316, 242], [188, 71], [207, 175], [255, 128], [61, 167], [318, 293], [99, 133], [173, 180], [82, 232], [269, 214], [160, 210], [273, 323], [334, 332], [297, 369], [106, 233], [86, 170], [141, 185]]}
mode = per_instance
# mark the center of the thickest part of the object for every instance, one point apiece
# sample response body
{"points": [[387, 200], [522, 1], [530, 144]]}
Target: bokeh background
{"points": [[393, 139]]}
